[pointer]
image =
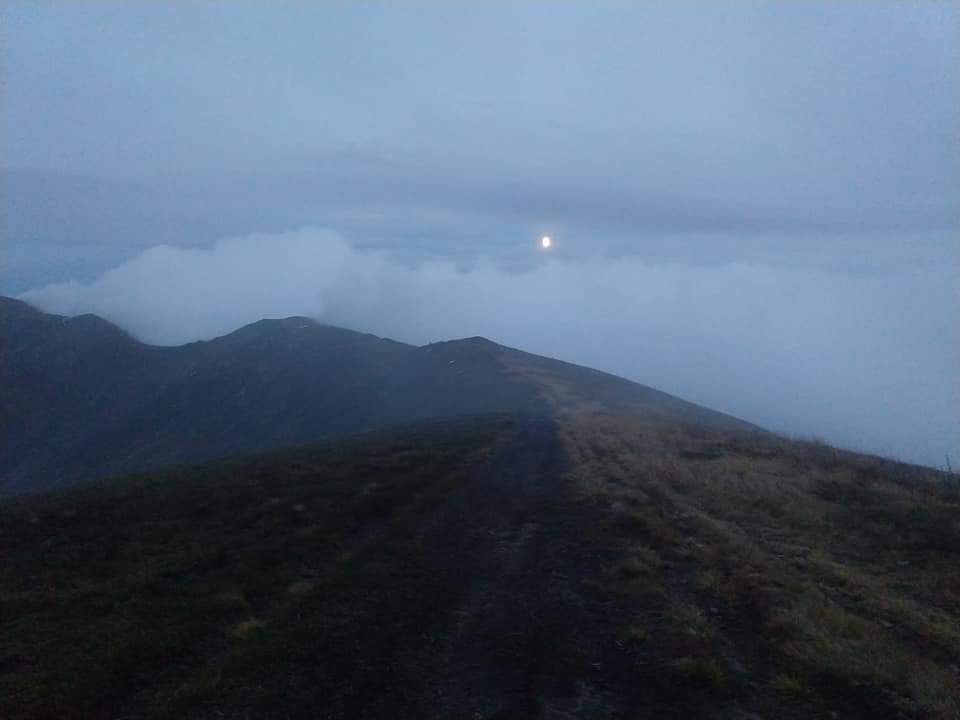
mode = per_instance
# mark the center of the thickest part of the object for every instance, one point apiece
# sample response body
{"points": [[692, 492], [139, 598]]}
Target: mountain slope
{"points": [[80, 399], [511, 567]]}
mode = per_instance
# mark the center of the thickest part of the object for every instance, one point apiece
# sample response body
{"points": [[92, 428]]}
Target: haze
{"points": [[755, 207]]}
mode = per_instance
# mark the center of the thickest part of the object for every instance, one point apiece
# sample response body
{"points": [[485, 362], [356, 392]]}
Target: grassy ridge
{"points": [[788, 577], [237, 584], [724, 574]]}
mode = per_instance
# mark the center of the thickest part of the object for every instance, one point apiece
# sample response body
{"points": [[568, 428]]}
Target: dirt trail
{"points": [[520, 639]]}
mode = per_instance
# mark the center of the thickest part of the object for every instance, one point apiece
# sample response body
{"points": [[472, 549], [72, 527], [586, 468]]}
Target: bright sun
{"points": [[545, 242]]}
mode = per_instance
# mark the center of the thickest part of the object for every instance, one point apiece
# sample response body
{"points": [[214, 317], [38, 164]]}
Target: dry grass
{"points": [[828, 576]]}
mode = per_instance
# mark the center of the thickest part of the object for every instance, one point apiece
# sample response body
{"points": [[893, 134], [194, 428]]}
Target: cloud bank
{"points": [[865, 361]]}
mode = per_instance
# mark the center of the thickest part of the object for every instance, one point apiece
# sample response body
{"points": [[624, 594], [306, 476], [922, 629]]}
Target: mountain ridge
{"points": [[593, 566], [570, 544], [83, 399]]}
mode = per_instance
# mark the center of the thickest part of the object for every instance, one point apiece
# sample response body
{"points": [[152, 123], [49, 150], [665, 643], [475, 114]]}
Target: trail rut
{"points": [[520, 639]]}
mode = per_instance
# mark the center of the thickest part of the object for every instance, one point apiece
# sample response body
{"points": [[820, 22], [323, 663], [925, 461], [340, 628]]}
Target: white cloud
{"points": [[864, 361]]}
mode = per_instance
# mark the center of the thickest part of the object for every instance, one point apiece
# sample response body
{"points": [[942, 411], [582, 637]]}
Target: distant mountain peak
{"points": [[475, 343], [13, 305]]}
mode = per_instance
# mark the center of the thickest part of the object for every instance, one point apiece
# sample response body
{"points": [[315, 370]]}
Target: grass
{"points": [[158, 595], [808, 572], [740, 573], [703, 674]]}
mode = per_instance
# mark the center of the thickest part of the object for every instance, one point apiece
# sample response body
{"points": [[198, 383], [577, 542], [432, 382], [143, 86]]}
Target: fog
{"points": [[756, 206], [866, 361]]}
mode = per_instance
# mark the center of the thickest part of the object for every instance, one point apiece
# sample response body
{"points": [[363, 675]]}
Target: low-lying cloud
{"points": [[865, 361]]}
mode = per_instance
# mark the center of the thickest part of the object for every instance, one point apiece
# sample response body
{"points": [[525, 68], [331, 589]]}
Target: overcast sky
{"points": [[755, 206]]}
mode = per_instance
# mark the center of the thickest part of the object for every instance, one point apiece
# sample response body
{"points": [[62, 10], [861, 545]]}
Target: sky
{"points": [[755, 206]]}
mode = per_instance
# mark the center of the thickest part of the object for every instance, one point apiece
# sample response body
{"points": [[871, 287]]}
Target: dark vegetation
{"points": [[503, 567], [273, 585]]}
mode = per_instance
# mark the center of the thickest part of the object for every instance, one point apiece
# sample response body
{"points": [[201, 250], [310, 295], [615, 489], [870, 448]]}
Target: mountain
{"points": [[585, 565], [81, 399], [463, 530]]}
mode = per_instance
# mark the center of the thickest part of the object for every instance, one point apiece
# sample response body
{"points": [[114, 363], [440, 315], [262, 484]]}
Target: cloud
{"points": [[867, 361]]}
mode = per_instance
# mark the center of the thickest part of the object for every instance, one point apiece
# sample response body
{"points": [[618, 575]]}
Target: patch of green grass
{"points": [[634, 636], [790, 684], [703, 673], [689, 619]]}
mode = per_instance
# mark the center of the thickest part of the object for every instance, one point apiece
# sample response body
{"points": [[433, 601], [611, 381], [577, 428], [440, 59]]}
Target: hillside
{"points": [[81, 399], [460, 530], [590, 566]]}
